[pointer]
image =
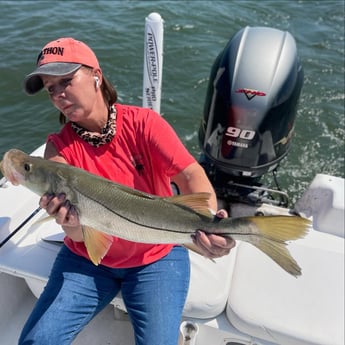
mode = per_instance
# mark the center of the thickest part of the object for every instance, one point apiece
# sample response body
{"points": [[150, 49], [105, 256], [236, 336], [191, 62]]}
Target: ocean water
{"points": [[194, 33]]}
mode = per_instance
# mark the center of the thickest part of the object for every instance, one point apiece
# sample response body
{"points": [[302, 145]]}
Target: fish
{"points": [[107, 209]]}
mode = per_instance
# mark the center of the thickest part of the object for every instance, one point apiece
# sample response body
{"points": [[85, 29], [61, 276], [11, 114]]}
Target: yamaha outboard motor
{"points": [[249, 112]]}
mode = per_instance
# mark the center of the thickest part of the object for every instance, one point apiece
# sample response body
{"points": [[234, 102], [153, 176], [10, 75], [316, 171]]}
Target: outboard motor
{"points": [[249, 113]]}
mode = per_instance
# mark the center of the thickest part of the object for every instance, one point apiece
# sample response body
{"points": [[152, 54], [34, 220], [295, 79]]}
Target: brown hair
{"points": [[109, 95]]}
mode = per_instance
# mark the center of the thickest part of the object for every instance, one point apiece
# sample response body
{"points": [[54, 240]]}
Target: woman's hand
{"points": [[214, 246], [193, 179], [64, 213]]}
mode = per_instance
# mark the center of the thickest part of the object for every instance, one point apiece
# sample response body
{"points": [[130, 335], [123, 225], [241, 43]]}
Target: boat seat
{"points": [[208, 290], [209, 286], [268, 303], [324, 200]]}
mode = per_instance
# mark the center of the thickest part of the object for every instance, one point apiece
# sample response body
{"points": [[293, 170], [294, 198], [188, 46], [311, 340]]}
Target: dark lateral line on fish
{"points": [[143, 225], [232, 234]]}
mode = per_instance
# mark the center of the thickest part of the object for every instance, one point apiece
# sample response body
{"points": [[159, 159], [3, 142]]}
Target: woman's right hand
{"points": [[64, 213]]}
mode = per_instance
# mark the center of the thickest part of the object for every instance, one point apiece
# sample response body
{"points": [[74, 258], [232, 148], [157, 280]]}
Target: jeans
{"points": [[77, 290]]}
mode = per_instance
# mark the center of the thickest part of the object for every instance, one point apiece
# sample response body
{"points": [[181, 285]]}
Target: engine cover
{"points": [[251, 103]]}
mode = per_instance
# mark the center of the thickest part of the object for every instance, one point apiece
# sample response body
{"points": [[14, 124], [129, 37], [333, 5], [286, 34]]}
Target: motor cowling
{"points": [[251, 104]]}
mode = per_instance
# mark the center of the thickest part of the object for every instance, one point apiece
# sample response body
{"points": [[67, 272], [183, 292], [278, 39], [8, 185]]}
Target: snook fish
{"points": [[109, 209]]}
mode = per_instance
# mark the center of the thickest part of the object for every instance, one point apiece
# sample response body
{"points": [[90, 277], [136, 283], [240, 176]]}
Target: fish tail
{"points": [[279, 253], [281, 228], [274, 231]]}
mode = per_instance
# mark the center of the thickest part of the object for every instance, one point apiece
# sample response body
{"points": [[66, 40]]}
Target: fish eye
{"points": [[27, 167]]}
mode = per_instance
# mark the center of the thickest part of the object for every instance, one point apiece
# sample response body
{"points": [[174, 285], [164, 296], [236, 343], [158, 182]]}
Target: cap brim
{"points": [[33, 82]]}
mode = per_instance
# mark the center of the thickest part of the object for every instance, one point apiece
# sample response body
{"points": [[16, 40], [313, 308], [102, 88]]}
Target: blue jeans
{"points": [[77, 290]]}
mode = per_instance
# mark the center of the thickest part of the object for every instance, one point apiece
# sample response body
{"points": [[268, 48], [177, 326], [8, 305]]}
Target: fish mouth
{"points": [[9, 172], [2, 168], [14, 179]]}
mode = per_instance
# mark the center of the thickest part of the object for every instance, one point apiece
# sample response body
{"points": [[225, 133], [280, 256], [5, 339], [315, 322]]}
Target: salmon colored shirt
{"points": [[144, 154]]}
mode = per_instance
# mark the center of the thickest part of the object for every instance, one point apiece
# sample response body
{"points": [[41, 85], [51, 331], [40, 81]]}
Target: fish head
{"points": [[9, 166], [22, 169]]}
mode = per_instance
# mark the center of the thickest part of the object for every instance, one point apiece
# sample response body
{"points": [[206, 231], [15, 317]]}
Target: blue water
{"points": [[195, 32]]}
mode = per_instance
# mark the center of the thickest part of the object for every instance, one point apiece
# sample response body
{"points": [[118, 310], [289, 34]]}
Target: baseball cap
{"points": [[57, 58]]}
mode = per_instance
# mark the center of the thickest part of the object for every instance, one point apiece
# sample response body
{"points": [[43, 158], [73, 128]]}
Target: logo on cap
{"points": [[49, 51]]}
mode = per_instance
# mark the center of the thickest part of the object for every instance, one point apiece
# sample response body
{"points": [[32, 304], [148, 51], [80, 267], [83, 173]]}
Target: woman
{"points": [[132, 146]]}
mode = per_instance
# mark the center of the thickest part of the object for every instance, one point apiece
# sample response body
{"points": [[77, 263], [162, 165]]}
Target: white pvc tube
{"points": [[153, 62]]}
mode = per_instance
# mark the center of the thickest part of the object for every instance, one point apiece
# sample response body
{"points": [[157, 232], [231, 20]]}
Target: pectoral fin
{"points": [[97, 244]]}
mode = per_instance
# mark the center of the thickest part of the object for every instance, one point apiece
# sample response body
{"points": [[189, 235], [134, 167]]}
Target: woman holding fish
{"points": [[135, 147]]}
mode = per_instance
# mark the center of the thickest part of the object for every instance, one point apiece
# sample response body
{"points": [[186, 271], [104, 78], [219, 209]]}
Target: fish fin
{"points": [[279, 253], [44, 220], [281, 228], [194, 248], [273, 232], [97, 244], [196, 201]]}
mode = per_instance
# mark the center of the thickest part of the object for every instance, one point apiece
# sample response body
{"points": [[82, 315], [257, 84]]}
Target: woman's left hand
{"points": [[214, 246]]}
